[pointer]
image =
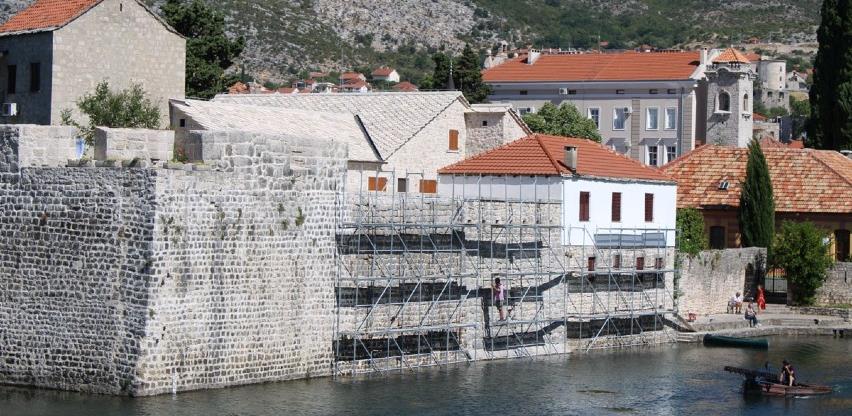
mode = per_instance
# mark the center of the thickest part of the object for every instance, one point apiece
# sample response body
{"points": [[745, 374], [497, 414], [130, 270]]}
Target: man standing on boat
{"points": [[788, 374]]}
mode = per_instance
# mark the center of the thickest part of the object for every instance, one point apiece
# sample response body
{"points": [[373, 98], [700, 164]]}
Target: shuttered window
{"points": [[616, 206], [428, 186], [377, 184], [640, 263], [454, 140], [584, 206], [616, 261], [658, 263], [591, 264], [649, 207]]}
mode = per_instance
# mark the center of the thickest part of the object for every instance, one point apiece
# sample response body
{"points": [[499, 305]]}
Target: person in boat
{"points": [[751, 315], [761, 299], [788, 374], [497, 291]]}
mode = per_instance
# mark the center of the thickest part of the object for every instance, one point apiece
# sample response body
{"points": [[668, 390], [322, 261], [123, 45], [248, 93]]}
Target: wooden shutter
{"points": [[616, 206], [640, 263], [454, 140], [591, 264], [584, 206], [649, 207], [428, 186], [377, 184], [616, 261]]}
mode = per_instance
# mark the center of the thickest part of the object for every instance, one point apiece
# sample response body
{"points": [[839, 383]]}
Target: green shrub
{"points": [[802, 250], [691, 237]]}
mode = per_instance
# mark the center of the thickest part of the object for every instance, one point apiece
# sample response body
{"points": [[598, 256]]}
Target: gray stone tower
{"points": [[730, 96]]}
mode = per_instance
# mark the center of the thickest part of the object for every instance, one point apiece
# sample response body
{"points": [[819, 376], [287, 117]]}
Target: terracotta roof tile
{"points": [[541, 154], [597, 67], [47, 15], [382, 71], [803, 180], [405, 86], [732, 55], [752, 57]]}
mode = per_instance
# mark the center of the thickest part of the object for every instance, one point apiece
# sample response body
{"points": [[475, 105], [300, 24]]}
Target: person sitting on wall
{"points": [[738, 300], [497, 291], [751, 315], [788, 374]]}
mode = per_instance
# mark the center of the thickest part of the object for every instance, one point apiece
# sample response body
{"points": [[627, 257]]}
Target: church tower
{"points": [[730, 95]]}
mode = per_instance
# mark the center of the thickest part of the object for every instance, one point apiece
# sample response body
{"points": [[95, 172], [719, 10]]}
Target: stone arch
{"points": [[745, 103], [723, 101]]}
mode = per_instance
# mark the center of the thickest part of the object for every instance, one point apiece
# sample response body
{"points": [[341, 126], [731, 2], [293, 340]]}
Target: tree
{"points": [[802, 251], [209, 50], [128, 108], [468, 76], [756, 213], [564, 120], [691, 237], [830, 126], [440, 75], [800, 112]]}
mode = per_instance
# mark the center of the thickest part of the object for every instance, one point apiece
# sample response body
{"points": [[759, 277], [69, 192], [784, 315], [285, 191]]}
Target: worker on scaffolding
{"points": [[497, 292]]}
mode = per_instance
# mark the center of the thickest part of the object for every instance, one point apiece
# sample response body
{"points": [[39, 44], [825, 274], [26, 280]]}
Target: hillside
{"points": [[285, 37]]}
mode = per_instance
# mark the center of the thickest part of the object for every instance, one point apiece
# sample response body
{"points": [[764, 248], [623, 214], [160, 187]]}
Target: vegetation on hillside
{"points": [[564, 120], [802, 251], [467, 76], [831, 93], [756, 214], [128, 108]]}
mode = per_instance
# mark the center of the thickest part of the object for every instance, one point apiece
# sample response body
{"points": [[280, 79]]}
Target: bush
{"points": [[802, 250], [129, 108], [691, 237], [564, 120]]}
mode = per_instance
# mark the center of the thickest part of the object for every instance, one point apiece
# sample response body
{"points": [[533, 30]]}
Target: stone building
{"points": [[56, 51], [413, 133], [729, 100], [652, 106], [772, 74], [807, 184]]}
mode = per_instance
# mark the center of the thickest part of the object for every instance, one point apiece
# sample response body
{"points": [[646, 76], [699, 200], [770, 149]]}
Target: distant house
{"points": [[766, 128], [405, 86], [317, 74], [289, 90], [324, 87], [797, 82], [414, 133], [807, 184], [384, 73], [356, 86], [55, 51], [351, 77], [602, 193], [304, 84]]}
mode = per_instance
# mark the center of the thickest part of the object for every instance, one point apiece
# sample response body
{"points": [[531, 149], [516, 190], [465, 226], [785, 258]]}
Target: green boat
{"points": [[723, 341]]}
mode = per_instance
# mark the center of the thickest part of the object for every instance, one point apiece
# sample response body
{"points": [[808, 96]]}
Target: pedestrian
{"points": [[761, 299], [497, 291], [738, 303], [751, 315]]}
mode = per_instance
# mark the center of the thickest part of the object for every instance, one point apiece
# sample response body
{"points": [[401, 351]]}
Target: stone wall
{"points": [[126, 144], [837, 288], [709, 279], [43, 146], [144, 281]]}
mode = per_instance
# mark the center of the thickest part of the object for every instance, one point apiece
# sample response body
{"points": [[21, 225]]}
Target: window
{"points": [[377, 184], [616, 261], [671, 153], [619, 115], [595, 115], [12, 79], [526, 110], [402, 185], [584, 206], [428, 186], [524, 92], [591, 264], [35, 77], [640, 263], [671, 91], [182, 122], [723, 102], [484, 123], [649, 207], [769, 94], [616, 206], [671, 118], [653, 91], [572, 92], [658, 263], [717, 237], [653, 156], [652, 118], [454, 140], [745, 103], [619, 91]]}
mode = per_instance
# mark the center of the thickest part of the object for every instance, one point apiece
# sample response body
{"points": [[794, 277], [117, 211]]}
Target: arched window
{"points": [[745, 103], [723, 102]]}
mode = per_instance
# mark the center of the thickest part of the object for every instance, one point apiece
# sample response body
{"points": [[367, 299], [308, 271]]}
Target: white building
{"points": [[385, 73], [604, 195]]}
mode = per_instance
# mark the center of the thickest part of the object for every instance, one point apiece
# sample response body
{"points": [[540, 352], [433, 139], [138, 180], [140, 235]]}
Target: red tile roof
{"points": [[627, 66], [47, 15], [752, 57], [758, 117], [383, 71], [803, 180], [541, 154], [352, 75], [732, 55], [405, 86]]}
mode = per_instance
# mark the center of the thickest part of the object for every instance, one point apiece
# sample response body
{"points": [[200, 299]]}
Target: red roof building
{"points": [[807, 184], [47, 15], [405, 86]]}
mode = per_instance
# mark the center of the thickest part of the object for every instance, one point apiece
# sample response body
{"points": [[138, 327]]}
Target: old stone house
{"points": [[56, 51], [385, 73], [807, 184], [413, 133]]}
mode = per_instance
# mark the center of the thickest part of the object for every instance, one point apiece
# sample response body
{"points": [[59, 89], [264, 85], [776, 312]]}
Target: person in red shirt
{"points": [[761, 298]]}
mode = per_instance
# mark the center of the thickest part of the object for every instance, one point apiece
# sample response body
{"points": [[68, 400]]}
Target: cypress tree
{"points": [[756, 214], [830, 125]]}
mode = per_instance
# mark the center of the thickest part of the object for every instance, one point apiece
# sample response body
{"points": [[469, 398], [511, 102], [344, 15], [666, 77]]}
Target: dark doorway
{"points": [[717, 237], [841, 245]]}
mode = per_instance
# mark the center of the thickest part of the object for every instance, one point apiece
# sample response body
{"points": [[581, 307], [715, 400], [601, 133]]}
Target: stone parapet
{"points": [[128, 144]]}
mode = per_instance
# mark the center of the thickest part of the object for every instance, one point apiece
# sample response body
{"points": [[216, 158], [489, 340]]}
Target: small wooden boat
{"points": [[764, 382], [723, 341]]}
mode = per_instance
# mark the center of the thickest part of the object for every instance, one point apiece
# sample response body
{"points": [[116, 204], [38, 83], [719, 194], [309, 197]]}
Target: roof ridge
{"points": [[813, 154], [549, 156], [428, 122]]}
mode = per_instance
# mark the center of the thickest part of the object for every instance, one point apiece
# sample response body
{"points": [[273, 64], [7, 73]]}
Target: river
{"points": [[662, 380]]}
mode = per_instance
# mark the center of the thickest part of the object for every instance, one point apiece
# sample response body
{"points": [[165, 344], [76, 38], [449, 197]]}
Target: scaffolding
{"points": [[415, 274]]}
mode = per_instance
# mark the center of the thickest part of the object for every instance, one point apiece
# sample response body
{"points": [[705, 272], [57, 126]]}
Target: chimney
{"points": [[571, 158], [847, 153], [704, 56], [533, 56]]}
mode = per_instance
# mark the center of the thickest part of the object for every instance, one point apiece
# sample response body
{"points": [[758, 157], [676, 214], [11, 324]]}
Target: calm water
{"points": [[666, 380]]}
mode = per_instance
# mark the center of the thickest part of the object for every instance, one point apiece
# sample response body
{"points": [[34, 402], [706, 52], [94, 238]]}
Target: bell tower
{"points": [[730, 96]]}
